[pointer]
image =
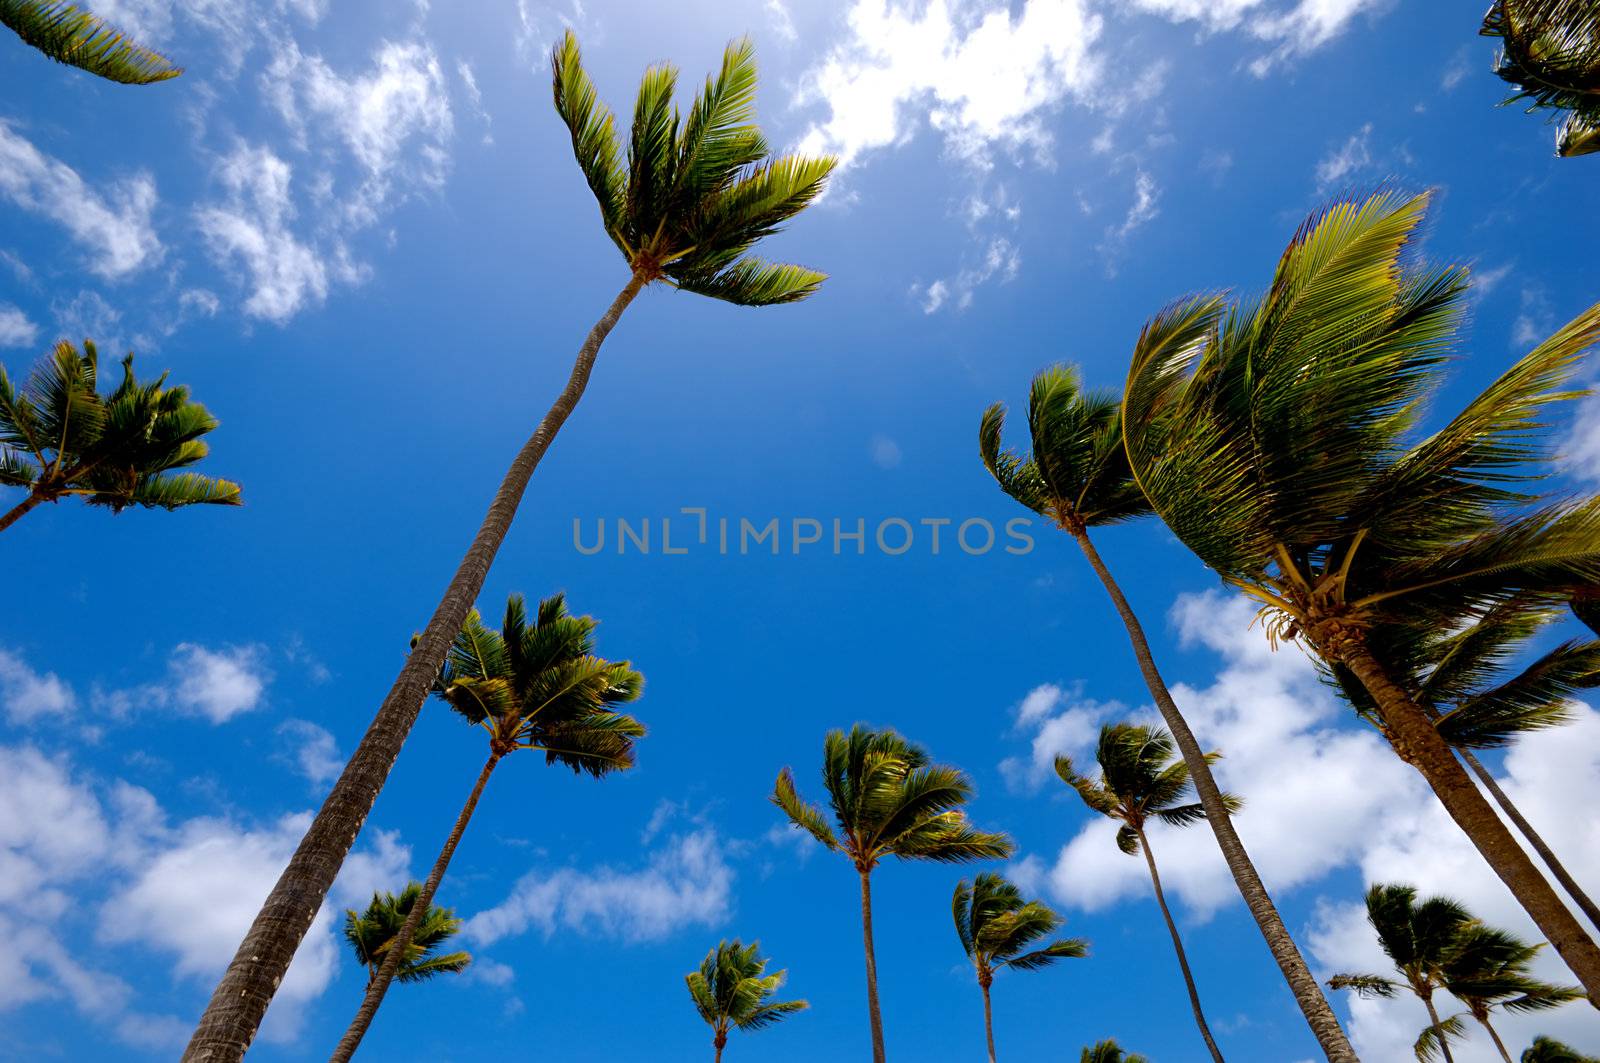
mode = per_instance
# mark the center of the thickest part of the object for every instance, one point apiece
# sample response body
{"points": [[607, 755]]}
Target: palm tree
{"points": [[1077, 477], [1277, 443], [1488, 970], [371, 933], [1459, 676], [887, 800], [1139, 781], [1545, 1050], [1419, 940], [1551, 53], [1108, 1051], [685, 207], [732, 989], [60, 437], [529, 686], [997, 927], [68, 34]]}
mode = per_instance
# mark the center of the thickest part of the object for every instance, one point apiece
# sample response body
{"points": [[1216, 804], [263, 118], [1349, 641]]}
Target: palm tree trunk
{"points": [[872, 968], [1177, 944], [1495, 1037], [717, 1042], [988, 1020], [1419, 743], [20, 510], [1545, 852], [395, 953], [1313, 1005], [240, 1000], [1438, 1030]]}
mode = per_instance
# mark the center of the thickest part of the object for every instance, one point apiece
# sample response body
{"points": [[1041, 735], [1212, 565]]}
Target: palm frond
{"points": [[594, 135], [803, 815], [71, 35]]}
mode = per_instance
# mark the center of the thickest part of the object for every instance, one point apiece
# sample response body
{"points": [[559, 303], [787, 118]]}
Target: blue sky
{"points": [[356, 231]]}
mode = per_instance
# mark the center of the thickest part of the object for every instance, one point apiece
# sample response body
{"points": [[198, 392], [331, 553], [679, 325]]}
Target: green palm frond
{"points": [[594, 135], [1431, 1041], [69, 34], [1141, 777], [806, 816], [1108, 1051], [997, 926], [731, 989], [752, 282], [1549, 1050], [370, 934], [1551, 55], [1366, 985]]}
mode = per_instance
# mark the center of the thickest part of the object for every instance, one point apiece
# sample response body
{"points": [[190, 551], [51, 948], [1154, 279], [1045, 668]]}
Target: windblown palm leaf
{"points": [[59, 437], [1489, 970], [69, 34], [1551, 53], [1108, 1051], [732, 990], [1547, 1050], [371, 933]]}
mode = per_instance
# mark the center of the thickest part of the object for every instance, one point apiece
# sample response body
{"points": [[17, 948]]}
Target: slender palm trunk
{"points": [[20, 510], [240, 1000], [1546, 854], [1419, 743], [395, 953], [718, 1042], [1438, 1030], [1495, 1037], [1177, 945], [1313, 1005], [988, 1018], [872, 968]]}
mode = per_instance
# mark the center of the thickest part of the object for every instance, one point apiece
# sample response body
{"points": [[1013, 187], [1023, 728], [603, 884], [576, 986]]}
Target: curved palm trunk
{"points": [[378, 985], [240, 1000], [1177, 945], [1546, 854], [1418, 742], [872, 968], [1438, 1029], [988, 1019], [1483, 1020], [20, 510], [1319, 1016]]}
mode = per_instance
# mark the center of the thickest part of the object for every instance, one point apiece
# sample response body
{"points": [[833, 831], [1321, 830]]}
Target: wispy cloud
{"points": [[15, 328], [29, 696], [1345, 161]]}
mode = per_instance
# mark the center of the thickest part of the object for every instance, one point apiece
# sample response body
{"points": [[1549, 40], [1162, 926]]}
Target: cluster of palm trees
{"points": [[1278, 438]]}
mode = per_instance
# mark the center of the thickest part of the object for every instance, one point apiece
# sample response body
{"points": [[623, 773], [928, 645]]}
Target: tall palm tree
{"points": [[685, 206], [1277, 442], [69, 34], [1139, 781], [1108, 1051], [1551, 53], [1546, 1050], [1077, 477], [1419, 940], [997, 929], [373, 932], [887, 800], [1489, 970], [1460, 676], [528, 686], [732, 990], [60, 438]]}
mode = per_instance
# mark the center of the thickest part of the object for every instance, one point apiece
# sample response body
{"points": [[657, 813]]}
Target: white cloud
{"points": [[1060, 723], [1295, 30], [885, 452], [88, 315], [1350, 158], [781, 21], [687, 882], [469, 82], [217, 684], [15, 328], [1535, 321], [1581, 448], [115, 229], [316, 754], [1000, 258], [29, 696], [1143, 210]]}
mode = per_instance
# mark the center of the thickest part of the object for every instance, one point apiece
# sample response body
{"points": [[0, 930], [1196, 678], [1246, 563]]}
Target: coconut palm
{"points": [[1108, 1051], [684, 206], [1139, 781], [1546, 1050], [528, 686], [1419, 940], [1489, 971], [372, 933], [1551, 53], [1277, 442], [1077, 477], [60, 438], [69, 34], [887, 800], [732, 990], [998, 928]]}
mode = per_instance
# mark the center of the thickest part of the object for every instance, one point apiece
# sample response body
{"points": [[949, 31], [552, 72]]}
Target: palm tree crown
{"points": [[68, 34], [1548, 1050], [371, 933], [1552, 55], [732, 990], [1108, 1051], [1489, 970], [59, 436], [1140, 779], [692, 194], [996, 927]]}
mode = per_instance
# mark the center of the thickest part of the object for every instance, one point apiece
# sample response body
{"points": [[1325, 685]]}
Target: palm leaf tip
{"points": [[73, 36]]}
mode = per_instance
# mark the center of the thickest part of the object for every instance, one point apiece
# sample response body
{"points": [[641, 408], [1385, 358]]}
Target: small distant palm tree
{"points": [[1108, 1051], [528, 686], [1141, 780], [1489, 971], [1546, 1050], [1551, 53], [732, 990], [59, 438], [371, 933], [887, 800], [69, 34], [1419, 939], [997, 927]]}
